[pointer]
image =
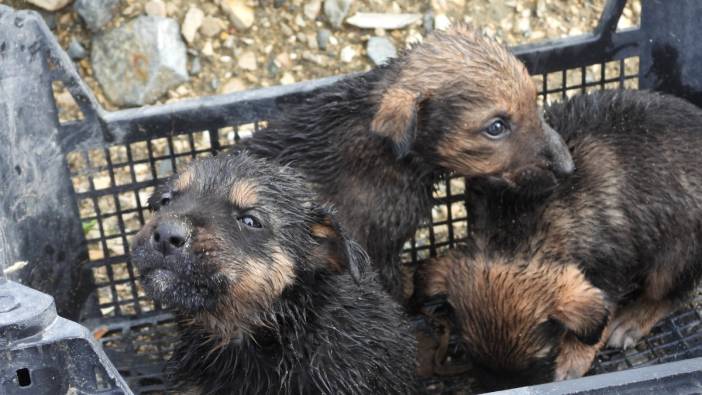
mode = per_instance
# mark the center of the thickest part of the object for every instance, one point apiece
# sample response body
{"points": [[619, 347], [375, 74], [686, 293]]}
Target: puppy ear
{"points": [[334, 250], [581, 308], [396, 119]]}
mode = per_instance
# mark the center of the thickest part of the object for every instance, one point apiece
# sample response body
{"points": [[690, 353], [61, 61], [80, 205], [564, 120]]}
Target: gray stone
{"points": [[96, 13], [272, 68], [380, 50], [428, 22], [323, 36], [75, 50], [195, 66], [140, 61], [336, 11]]}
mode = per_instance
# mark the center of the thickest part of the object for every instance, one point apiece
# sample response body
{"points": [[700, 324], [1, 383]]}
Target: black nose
{"points": [[169, 236]]}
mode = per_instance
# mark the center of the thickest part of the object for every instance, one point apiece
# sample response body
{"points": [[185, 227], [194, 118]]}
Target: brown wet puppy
{"points": [[270, 294], [615, 245], [375, 144]]}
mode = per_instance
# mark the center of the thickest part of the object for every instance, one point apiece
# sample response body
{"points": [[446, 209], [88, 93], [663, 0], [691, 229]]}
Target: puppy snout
{"points": [[170, 236]]}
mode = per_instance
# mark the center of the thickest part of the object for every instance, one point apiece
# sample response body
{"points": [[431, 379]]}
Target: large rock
{"points": [[96, 13], [51, 5], [140, 61], [380, 50], [336, 11]]}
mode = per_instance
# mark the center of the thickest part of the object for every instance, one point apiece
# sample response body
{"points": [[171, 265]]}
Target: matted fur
{"points": [[629, 220], [375, 144], [271, 296]]}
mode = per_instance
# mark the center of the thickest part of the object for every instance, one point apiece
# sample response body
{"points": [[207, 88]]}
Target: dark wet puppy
{"points": [[271, 295], [375, 144], [616, 246]]}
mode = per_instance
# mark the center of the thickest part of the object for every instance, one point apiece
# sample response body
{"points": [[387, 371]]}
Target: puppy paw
{"points": [[572, 372], [625, 335], [574, 360]]}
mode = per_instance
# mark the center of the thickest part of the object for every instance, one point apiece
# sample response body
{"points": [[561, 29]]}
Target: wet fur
{"points": [[284, 309], [629, 219], [375, 144]]}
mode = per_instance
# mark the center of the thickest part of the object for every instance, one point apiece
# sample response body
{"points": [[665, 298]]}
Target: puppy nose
{"points": [[169, 237]]}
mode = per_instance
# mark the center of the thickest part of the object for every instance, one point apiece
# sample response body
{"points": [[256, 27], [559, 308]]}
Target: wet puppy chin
{"points": [[532, 181], [187, 292]]}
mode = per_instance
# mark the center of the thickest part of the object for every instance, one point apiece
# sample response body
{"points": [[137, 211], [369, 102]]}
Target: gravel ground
{"points": [[283, 37]]}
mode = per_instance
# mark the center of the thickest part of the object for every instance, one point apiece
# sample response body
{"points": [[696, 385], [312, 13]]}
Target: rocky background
{"points": [[137, 52]]}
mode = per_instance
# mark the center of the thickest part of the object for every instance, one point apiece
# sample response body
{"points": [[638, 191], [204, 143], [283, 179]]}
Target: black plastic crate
{"points": [[104, 166]]}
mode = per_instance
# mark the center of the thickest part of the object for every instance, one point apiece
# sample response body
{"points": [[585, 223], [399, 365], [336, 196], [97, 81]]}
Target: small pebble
{"points": [[272, 68], [50, 5], [241, 15], [191, 23], [155, 8], [287, 79], [311, 9], [336, 11], [347, 54], [323, 38], [75, 50], [207, 49], [441, 22], [247, 61], [428, 22], [195, 66], [233, 85], [211, 26]]}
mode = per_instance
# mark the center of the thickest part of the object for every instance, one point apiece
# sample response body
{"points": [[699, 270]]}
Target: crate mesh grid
{"points": [[113, 184]]}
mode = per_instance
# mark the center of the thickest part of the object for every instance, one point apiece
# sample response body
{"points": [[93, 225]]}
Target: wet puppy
{"points": [[616, 245], [375, 144], [270, 294]]}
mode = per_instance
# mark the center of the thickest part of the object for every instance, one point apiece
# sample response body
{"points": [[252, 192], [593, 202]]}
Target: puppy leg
{"points": [[634, 321], [575, 358]]}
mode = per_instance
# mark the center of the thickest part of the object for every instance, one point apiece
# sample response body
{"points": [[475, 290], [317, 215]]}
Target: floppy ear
{"points": [[334, 250], [396, 119], [582, 308]]}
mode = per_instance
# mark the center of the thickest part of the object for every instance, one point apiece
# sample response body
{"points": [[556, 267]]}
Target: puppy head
{"points": [[467, 104], [515, 316], [230, 234]]}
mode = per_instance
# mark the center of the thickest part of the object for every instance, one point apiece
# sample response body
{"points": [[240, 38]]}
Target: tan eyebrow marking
{"points": [[243, 194], [184, 180]]}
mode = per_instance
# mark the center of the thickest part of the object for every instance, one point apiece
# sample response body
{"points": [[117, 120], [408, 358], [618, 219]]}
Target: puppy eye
{"points": [[165, 199], [157, 201], [497, 129], [250, 221]]}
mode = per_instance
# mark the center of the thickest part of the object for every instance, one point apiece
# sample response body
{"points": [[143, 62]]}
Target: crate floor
{"points": [[140, 347]]}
